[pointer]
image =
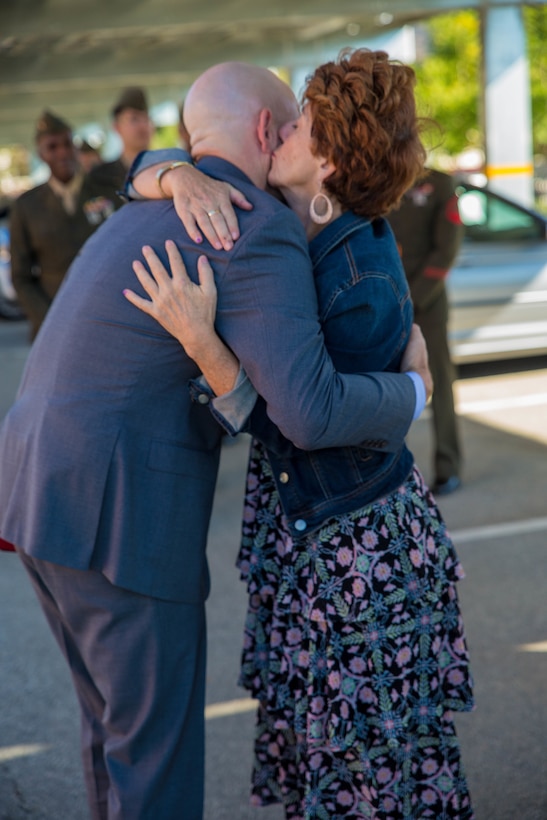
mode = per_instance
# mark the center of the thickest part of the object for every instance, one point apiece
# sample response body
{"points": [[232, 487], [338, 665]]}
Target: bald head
{"points": [[234, 111]]}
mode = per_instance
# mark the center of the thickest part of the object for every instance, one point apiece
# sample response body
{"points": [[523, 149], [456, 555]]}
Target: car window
{"points": [[487, 218]]}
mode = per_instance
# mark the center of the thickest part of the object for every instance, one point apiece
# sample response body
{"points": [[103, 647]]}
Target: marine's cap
{"points": [[132, 97], [49, 123]]}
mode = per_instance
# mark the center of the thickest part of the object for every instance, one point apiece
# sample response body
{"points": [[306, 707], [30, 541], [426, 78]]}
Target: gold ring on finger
{"points": [[212, 213]]}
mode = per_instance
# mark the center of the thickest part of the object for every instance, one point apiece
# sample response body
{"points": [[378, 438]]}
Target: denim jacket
{"points": [[366, 316]]}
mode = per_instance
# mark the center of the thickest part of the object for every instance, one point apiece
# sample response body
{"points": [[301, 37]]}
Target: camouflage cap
{"points": [[131, 97], [49, 123]]}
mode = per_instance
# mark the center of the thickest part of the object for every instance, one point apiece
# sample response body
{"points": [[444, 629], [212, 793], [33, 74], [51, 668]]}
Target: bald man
{"points": [[108, 468]]}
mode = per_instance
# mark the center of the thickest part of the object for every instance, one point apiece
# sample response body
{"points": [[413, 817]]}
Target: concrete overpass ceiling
{"points": [[73, 56]]}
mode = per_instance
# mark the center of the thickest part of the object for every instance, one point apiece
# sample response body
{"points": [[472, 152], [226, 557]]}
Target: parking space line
{"points": [[499, 530], [540, 646], [230, 707], [477, 407], [21, 750]]}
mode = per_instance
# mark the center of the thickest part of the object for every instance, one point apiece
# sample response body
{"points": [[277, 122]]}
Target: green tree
{"points": [[165, 137], [535, 20], [448, 77], [447, 87]]}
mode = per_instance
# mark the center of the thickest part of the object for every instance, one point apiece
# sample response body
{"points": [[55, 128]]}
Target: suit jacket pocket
{"points": [[172, 457]]}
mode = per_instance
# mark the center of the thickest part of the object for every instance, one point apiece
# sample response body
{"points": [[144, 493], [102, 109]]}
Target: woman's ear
{"points": [[326, 168]]}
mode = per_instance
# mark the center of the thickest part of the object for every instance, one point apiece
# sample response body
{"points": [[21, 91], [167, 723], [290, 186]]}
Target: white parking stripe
{"points": [[499, 530], [476, 407], [230, 707], [540, 646], [21, 750]]}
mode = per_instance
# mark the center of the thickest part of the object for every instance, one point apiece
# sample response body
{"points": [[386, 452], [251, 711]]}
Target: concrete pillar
{"points": [[507, 107]]}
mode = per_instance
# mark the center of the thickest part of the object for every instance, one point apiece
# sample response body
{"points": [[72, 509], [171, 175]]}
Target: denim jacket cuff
{"points": [[232, 410], [147, 158]]}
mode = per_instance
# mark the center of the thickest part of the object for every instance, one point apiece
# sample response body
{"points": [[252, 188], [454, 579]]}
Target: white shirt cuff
{"points": [[421, 396]]}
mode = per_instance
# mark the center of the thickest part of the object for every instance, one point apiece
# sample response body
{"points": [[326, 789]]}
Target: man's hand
{"points": [[415, 358]]}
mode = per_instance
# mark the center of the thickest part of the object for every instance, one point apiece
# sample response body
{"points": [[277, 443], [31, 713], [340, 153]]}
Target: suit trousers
{"points": [[447, 454], [138, 667]]}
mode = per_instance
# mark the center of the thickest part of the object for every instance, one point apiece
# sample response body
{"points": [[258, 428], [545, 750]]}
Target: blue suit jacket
{"points": [[105, 462]]}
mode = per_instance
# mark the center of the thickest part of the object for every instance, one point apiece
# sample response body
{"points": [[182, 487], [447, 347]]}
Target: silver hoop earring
{"points": [[318, 218]]}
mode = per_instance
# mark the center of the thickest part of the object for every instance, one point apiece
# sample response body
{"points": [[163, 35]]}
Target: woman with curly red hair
{"points": [[354, 642]]}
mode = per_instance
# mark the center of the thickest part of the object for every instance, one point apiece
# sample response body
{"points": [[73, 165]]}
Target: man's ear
{"points": [[265, 131]]}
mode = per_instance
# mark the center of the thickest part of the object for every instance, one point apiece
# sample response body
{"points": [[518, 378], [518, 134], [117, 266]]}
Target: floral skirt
{"points": [[354, 646]]}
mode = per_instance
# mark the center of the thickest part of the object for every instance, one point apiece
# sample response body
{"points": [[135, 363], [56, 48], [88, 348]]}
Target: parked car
{"points": [[498, 287]]}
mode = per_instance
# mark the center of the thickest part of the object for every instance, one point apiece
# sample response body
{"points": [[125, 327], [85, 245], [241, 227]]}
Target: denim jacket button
{"points": [[300, 525], [284, 478], [203, 398]]}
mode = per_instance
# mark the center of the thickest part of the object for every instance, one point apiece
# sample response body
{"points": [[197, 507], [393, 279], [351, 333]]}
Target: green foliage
{"points": [[535, 20], [447, 87], [165, 137], [449, 76]]}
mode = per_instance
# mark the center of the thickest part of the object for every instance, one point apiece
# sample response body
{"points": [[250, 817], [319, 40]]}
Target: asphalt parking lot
{"points": [[499, 522]]}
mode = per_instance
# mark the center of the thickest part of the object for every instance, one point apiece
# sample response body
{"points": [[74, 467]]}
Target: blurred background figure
{"points": [[9, 306], [133, 125], [88, 156], [50, 223], [429, 233]]}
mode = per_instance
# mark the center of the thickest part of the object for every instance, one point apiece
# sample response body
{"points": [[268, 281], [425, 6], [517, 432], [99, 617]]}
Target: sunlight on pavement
{"points": [[23, 750], [515, 402]]}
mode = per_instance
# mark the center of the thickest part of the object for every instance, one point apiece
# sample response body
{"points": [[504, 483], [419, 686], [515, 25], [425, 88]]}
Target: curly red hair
{"points": [[364, 120]]}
